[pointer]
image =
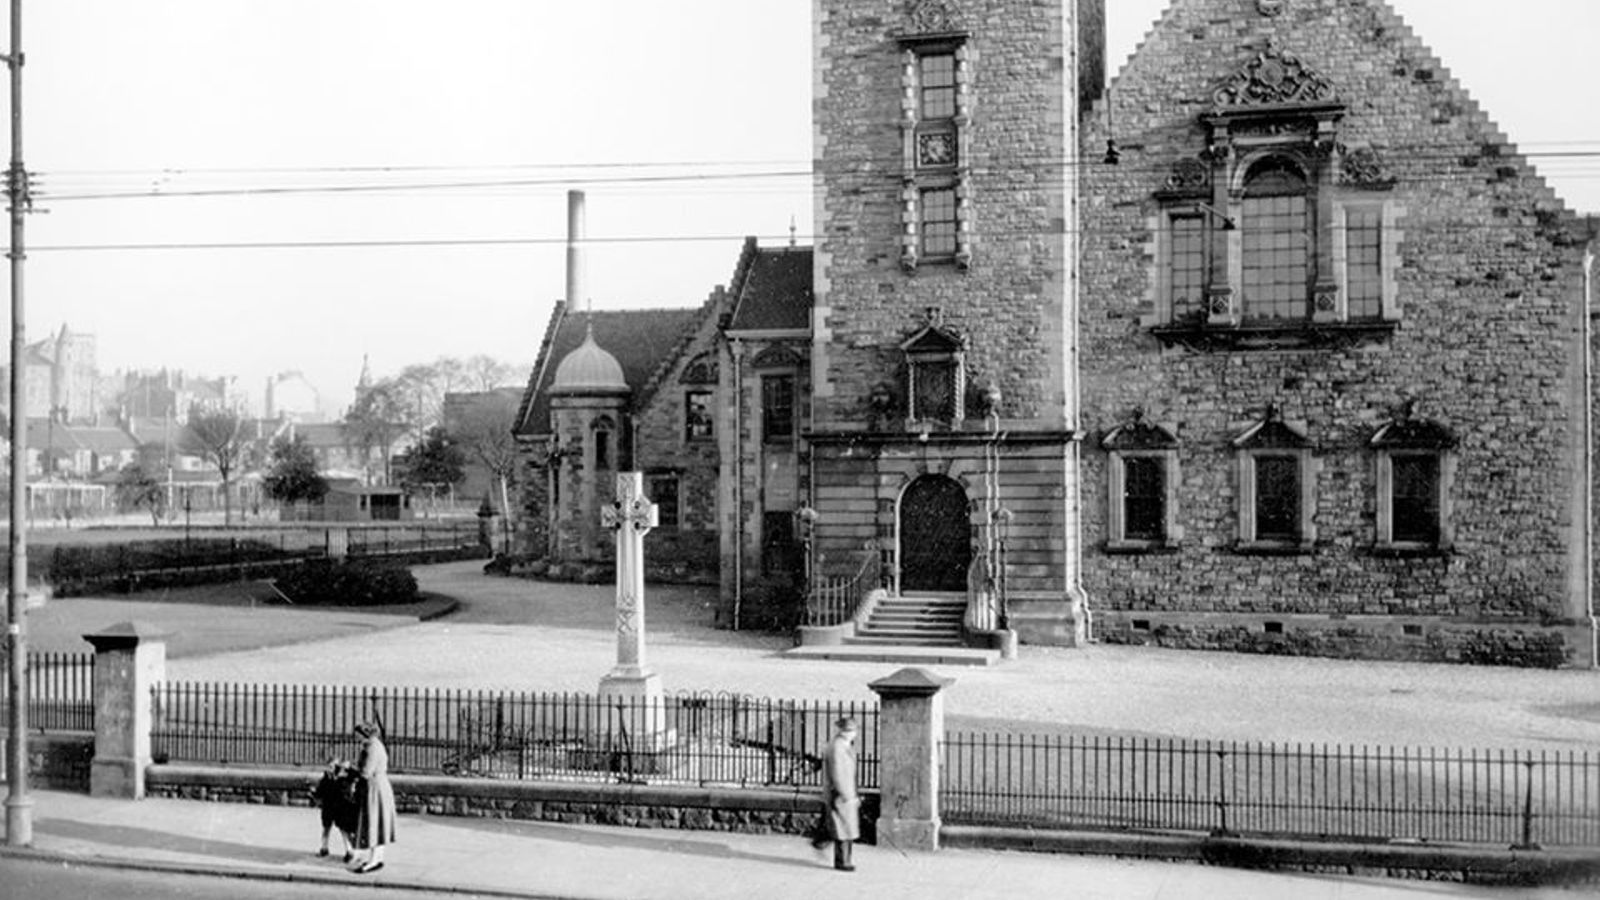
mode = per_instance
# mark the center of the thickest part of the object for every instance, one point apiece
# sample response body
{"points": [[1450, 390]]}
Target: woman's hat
{"points": [[846, 724], [365, 729]]}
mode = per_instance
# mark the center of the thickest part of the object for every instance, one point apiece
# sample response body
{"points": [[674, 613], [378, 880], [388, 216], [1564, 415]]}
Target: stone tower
{"points": [[588, 407], [944, 419]]}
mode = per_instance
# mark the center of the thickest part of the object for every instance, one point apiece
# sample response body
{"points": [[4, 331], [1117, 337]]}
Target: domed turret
{"points": [[589, 370]]}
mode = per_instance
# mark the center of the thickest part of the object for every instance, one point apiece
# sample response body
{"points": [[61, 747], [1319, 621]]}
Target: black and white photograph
{"points": [[789, 448]]}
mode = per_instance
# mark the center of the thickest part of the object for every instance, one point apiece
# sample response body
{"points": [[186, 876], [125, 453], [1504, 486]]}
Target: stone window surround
{"points": [[1213, 188], [1141, 440], [917, 178], [770, 433], [1406, 435], [710, 426], [936, 346], [1117, 540], [1286, 440], [1383, 541]]}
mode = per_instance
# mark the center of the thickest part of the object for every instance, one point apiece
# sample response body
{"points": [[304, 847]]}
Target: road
{"points": [[49, 880]]}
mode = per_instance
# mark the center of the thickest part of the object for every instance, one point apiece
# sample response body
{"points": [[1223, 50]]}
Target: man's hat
{"points": [[846, 724]]}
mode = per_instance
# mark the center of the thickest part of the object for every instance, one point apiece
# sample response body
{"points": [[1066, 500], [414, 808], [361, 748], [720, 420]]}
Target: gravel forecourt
{"points": [[521, 635]]}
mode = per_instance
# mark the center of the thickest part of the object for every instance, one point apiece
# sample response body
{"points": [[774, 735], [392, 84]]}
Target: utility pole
{"points": [[19, 806]]}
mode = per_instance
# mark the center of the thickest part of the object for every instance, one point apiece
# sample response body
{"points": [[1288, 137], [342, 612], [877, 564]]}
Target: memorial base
{"points": [[638, 710]]}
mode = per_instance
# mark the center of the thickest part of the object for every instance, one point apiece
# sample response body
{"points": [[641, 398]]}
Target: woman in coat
{"points": [[839, 790], [377, 813]]}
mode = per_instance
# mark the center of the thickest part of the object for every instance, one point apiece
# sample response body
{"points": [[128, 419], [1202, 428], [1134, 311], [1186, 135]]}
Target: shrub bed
{"points": [[350, 583]]}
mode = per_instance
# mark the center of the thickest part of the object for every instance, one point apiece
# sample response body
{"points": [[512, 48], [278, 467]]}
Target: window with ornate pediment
{"points": [[1415, 469], [1142, 474], [1277, 487], [699, 419], [936, 115], [1275, 233], [935, 377], [776, 367]]}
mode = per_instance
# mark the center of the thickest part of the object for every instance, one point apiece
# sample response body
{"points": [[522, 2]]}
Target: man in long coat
{"points": [[839, 791]]}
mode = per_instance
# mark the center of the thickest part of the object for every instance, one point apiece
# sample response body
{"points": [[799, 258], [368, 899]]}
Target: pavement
{"points": [[501, 858]]}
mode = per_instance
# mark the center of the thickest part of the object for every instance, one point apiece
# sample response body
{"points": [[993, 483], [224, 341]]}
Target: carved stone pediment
{"points": [[1189, 174], [1139, 434], [1363, 167], [934, 17], [1273, 77]]}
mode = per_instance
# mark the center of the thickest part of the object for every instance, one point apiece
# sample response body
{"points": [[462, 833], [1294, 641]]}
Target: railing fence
{"points": [[1348, 793], [60, 691], [685, 738]]}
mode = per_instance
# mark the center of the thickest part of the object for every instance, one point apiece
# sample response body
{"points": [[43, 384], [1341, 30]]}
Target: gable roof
{"points": [[640, 339], [772, 289], [1411, 56]]}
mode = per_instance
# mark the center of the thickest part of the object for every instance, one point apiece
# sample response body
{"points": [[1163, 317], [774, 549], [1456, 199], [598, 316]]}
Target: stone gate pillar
{"points": [[910, 727], [129, 659]]}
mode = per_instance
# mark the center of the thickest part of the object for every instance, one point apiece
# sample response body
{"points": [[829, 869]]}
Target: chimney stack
{"points": [[577, 291]]}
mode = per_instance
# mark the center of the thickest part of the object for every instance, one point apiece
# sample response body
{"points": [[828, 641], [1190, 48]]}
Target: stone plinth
{"points": [[910, 725], [129, 659]]}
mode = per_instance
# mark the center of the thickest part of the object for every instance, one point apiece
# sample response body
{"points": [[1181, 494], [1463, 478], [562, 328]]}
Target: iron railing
{"points": [[381, 540], [1347, 793], [684, 738], [60, 691], [835, 600]]}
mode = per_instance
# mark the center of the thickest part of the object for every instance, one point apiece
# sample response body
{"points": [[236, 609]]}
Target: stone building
{"points": [[615, 391], [1277, 345], [1334, 354], [905, 390]]}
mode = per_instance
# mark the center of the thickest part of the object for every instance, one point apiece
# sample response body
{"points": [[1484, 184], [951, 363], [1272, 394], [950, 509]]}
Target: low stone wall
{"points": [[1397, 639], [634, 805], [58, 761]]}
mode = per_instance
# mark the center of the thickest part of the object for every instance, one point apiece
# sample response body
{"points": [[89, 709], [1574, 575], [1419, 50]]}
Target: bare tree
{"points": [[485, 433], [216, 437], [485, 373], [381, 414]]}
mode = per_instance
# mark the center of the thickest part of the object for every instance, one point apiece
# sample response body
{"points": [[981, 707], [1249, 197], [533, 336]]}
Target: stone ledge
{"points": [[1478, 864]]}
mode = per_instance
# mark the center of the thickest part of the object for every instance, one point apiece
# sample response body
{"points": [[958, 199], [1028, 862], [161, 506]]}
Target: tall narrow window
{"points": [[939, 223], [1188, 267], [1363, 237], [1277, 482], [777, 407], [1276, 244], [697, 419], [934, 115], [1142, 470], [1144, 498], [1416, 498], [602, 449], [1415, 468], [1277, 498], [934, 391]]}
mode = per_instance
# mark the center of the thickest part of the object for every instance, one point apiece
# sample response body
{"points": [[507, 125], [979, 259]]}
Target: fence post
{"points": [[129, 658], [910, 727]]}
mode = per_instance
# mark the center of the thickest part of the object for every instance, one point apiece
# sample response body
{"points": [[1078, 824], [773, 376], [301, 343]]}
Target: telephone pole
{"points": [[19, 806]]}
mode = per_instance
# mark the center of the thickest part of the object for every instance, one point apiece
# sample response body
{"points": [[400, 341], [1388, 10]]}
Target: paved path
{"points": [[533, 636], [540, 859]]}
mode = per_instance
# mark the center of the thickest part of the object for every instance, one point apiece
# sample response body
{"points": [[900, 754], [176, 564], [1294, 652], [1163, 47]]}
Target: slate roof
{"points": [[640, 339], [98, 439], [772, 289]]}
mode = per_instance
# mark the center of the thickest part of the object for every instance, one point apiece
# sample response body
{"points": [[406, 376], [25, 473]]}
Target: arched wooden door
{"points": [[935, 536]]}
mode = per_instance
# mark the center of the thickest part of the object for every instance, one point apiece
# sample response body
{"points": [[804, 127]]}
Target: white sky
{"points": [[153, 98]]}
